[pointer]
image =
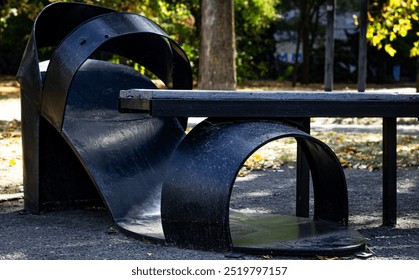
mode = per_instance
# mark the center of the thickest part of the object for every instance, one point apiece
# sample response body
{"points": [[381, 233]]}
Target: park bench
{"points": [[290, 104]]}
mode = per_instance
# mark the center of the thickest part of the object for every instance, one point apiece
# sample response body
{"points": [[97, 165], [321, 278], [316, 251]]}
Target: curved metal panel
{"points": [[196, 193], [77, 30], [120, 32], [51, 26]]}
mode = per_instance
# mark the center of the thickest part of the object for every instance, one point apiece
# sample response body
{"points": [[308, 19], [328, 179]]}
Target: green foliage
{"points": [[255, 44], [393, 20], [16, 19], [255, 15]]}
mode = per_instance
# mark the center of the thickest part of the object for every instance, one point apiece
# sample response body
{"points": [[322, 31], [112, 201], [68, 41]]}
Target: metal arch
{"points": [[196, 192], [90, 28], [51, 26], [86, 39]]}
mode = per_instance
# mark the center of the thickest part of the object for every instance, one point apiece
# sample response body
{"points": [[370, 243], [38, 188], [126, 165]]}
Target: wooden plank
{"points": [[178, 103]]}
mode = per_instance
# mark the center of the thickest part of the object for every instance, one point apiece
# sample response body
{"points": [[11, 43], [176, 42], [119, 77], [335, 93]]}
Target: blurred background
{"points": [[275, 40]]}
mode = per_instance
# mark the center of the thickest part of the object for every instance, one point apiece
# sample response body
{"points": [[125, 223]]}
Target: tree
{"points": [[16, 19], [255, 24], [308, 31], [391, 20], [307, 26], [217, 67]]}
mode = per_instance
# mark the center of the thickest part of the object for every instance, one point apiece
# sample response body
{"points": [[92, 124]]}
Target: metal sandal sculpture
{"points": [[156, 182], [76, 144]]}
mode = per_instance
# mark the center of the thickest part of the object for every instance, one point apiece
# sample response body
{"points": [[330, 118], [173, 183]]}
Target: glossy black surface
{"points": [[77, 147], [290, 235], [201, 175]]}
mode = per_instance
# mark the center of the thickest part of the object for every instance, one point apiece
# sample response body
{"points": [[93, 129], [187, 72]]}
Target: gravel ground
{"points": [[89, 233]]}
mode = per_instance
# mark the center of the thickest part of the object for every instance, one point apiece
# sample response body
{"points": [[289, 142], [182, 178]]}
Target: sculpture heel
{"points": [[52, 174]]}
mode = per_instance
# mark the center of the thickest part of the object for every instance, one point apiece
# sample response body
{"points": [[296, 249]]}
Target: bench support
{"points": [[303, 178], [389, 171], [291, 104]]}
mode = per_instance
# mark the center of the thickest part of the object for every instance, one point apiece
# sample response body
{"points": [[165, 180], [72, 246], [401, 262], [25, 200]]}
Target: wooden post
{"points": [[330, 45], [362, 57]]}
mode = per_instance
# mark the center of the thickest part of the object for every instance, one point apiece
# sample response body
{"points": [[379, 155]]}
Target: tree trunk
{"points": [[309, 20], [362, 57], [330, 45], [217, 60], [296, 62], [305, 33]]}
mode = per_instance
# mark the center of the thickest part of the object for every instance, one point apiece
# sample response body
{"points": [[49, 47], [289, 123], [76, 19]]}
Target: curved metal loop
{"points": [[130, 35], [107, 29], [201, 175], [51, 26]]}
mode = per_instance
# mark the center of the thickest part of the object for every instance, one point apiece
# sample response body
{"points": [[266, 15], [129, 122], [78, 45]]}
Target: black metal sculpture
{"points": [[78, 147], [200, 178], [74, 138]]}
